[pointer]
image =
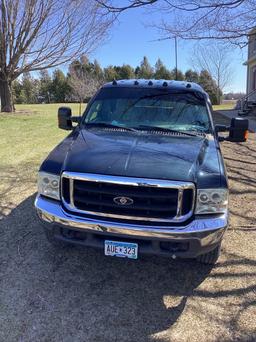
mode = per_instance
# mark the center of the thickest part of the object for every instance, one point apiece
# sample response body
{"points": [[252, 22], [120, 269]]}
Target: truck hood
{"points": [[146, 155]]}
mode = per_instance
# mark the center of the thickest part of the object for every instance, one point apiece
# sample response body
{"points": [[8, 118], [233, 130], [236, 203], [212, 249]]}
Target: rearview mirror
{"points": [[238, 131], [64, 118]]}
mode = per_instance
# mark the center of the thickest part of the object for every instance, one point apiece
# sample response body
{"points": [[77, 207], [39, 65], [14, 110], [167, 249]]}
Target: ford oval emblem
{"points": [[123, 200]]}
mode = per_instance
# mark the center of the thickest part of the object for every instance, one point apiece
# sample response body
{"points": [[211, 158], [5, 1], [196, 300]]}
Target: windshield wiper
{"points": [[109, 125], [164, 129]]}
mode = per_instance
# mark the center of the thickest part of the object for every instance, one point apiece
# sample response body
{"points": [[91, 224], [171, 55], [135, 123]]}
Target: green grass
{"points": [[225, 106], [29, 134]]}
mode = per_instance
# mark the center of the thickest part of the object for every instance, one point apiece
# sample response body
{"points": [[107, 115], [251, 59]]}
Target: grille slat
{"points": [[139, 199], [80, 200], [123, 190], [150, 200]]}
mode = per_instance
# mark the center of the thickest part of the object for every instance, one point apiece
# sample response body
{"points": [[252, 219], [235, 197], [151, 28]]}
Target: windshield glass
{"points": [[135, 108]]}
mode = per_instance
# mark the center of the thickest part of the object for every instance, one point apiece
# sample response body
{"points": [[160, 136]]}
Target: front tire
{"points": [[211, 257]]}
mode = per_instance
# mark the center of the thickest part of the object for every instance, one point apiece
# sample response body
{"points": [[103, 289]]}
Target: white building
{"points": [[251, 66]]}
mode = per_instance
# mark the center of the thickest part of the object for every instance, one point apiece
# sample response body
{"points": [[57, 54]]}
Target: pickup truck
{"points": [[140, 172]]}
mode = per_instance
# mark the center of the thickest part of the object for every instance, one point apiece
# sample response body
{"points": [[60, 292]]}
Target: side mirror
{"points": [[221, 128], [238, 131], [64, 118]]}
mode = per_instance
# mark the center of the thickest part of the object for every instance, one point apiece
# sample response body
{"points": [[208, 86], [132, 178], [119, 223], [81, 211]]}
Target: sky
{"points": [[131, 39]]}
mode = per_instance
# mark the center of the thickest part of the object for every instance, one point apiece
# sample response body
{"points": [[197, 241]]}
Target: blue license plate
{"points": [[121, 249]]}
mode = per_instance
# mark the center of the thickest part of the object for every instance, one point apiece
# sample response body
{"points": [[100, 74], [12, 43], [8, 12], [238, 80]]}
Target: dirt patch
{"points": [[29, 112], [77, 294]]}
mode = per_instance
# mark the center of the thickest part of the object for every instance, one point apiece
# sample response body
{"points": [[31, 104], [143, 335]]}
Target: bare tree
{"points": [[217, 60], [39, 34], [83, 82], [230, 20]]}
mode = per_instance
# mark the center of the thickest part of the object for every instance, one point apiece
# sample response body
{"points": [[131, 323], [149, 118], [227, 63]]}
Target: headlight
{"points": [[49, 185], [210, 201]]}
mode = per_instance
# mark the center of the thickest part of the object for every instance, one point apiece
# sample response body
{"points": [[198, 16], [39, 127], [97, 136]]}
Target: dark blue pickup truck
{"points": [[140, 172]]}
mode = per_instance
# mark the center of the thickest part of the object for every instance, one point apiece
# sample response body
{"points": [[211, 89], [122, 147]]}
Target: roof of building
{"points": [[169, 84]]}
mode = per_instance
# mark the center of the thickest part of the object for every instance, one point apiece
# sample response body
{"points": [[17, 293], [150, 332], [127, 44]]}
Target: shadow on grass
{"points": [[15, 182], [79, 294]]}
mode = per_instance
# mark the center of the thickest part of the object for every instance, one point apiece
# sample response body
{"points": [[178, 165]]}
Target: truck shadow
{"points": [[241, 167], [84, 291], [81, 295]]}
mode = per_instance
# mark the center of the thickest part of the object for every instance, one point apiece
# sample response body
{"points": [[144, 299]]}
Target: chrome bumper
{"points": [[207, 230]]}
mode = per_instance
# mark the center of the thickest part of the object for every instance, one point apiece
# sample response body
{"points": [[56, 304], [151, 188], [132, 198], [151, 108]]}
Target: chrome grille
{"points": [[151, 200]]}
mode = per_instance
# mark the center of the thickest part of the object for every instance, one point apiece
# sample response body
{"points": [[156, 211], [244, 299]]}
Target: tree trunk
{"points": [[6, 96], [219, 96]]}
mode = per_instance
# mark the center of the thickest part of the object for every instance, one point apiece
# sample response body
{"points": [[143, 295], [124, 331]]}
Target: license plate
{"points": [[121, 249]]}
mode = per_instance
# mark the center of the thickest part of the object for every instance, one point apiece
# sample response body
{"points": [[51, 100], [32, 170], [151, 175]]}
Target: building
{"points": [[251, 66]]}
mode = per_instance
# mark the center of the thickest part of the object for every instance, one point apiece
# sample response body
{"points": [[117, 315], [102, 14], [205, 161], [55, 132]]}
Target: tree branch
{"points": [[229, 20]]}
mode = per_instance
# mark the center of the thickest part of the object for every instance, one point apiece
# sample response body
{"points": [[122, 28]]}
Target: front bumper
{"points": [[200, 235]]}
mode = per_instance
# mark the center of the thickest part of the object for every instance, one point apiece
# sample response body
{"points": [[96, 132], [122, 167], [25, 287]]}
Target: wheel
{"points": [[52, 239], [211, 257]]}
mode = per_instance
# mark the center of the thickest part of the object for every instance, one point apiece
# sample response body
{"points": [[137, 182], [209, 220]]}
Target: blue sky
{"points": [[130, 40]]}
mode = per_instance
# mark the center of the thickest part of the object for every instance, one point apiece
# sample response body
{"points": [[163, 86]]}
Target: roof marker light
{"points": [[188, 85], [165, 84], [136, 82], [150, 83]]}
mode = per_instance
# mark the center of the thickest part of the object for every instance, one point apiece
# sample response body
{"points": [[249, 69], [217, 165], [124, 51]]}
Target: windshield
{"points": [[135, 108]]}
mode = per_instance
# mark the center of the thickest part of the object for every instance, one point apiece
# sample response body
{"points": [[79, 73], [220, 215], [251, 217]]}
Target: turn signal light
{"points": [[246, 134]]}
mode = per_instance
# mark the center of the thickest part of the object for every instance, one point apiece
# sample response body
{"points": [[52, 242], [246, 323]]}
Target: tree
{"points": [[209, 85], [137, 71], [126, 72], [17, 92], [161, 72], [216, 59], [234, 96], [85, 77], [30, 89], [179, 73], [99, 73], [110, 73], [59, 87], [192, 76], [145, 69], [45, 86], [82, 80], [229, 20], [39, 34]]}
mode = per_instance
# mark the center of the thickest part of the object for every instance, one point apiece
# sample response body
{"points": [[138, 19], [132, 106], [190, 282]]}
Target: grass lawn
{"points": [[27, 136], [225, 106], [30, 133]]}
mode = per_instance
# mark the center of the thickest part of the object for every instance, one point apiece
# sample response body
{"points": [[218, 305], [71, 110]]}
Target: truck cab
{"points": [[140, 172]]}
